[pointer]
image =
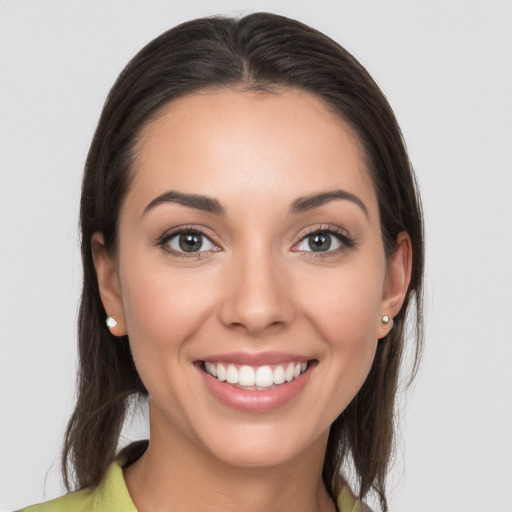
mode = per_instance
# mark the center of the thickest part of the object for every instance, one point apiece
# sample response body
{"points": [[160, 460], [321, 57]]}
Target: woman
{"points": [[252, 238]]}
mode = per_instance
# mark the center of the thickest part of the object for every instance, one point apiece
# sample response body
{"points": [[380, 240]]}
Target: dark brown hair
{"points": [[257, 52]]}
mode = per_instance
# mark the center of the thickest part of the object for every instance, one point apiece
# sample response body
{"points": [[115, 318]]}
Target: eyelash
{"points": [[163, 241], [346, 241], [343, 237]]}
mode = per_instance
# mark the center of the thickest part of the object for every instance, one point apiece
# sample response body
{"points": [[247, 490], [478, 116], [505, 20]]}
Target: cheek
{"points": [[344, 309], [346, 305], [163, 307]]}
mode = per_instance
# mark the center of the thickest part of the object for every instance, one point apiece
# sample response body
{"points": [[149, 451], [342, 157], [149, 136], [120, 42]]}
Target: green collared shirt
{"points": [[112, 496]]}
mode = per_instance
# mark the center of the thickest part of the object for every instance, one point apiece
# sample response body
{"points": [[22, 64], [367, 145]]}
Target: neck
{"points": [[176, 474]]}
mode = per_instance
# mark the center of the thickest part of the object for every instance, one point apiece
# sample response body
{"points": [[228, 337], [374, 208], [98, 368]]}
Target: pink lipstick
{"points": [[255, 382]]}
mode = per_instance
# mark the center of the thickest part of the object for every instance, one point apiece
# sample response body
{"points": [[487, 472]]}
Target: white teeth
{"points": [[232, 374], [221, 372], [278, 375], [288, 374], [261, 376], [209, 367], [264, 376], [246, 376]]}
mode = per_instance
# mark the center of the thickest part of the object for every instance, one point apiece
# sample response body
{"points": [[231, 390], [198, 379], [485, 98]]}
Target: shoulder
{"points": [[347, 502], [110, 496], [76, 501]]}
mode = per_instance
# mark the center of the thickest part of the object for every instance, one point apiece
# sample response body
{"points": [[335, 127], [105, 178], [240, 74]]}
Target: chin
{"points": [[255, 446]]}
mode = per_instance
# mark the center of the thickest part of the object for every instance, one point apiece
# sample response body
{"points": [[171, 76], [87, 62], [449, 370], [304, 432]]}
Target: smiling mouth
{"points": [[258, 378]]}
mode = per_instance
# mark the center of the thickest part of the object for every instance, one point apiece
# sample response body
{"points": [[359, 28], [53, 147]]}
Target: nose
{"points": [[257, 295]]}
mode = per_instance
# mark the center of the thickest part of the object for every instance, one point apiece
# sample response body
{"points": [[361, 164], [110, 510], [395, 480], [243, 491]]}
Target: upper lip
{"points": [[256, 359]]}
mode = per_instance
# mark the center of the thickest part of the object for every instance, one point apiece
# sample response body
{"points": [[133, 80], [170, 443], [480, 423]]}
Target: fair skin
{"points": [[268, 281]]}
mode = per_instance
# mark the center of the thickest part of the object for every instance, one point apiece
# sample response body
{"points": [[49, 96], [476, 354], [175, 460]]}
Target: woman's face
{"points": [[250, 250]]}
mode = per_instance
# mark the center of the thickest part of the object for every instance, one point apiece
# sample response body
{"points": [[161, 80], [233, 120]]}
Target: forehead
{"points": [[229, 143]]}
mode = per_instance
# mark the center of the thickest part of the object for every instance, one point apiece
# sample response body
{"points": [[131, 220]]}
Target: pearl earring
{"points": [[386, 320], [111, 322]]}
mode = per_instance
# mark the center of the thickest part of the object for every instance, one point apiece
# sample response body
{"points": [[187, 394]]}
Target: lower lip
{"points": [[249, 400]]}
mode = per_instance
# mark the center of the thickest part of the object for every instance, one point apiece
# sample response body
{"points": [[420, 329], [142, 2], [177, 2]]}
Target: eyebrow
{"points": [[210, 205], [306, 203], [199, 202]]}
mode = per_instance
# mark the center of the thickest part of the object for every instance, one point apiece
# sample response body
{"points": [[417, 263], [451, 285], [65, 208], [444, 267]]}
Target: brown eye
{"points": [[190, 242], [319, 242], [325, 240]]}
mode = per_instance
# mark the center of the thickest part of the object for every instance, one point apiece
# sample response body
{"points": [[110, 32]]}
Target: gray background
{"points": [[446, 69]]}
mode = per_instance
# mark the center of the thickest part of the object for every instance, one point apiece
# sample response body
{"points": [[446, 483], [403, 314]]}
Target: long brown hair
{"points": [[257, 52]]}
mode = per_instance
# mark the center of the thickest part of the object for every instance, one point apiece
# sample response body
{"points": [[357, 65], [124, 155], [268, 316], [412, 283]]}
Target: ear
{"points": [[398, 277], [108, 283]]}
